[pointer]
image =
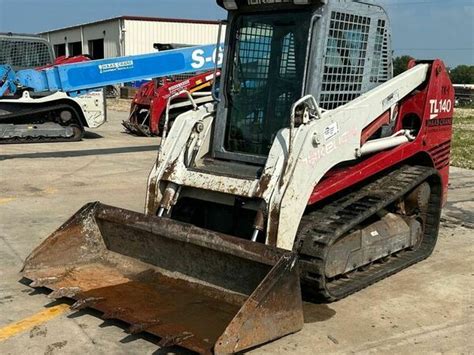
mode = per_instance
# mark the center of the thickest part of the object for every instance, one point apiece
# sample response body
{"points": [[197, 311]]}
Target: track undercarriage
{"points": [[369, 234], [47, 123]]}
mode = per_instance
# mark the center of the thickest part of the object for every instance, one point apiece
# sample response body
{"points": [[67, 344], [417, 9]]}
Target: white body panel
{"points": [[93, 107], [92, 104], [287, 180], [310, 162]]}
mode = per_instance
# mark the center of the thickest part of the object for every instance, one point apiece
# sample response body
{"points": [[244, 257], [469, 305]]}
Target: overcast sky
{"points": [[422, 28]]}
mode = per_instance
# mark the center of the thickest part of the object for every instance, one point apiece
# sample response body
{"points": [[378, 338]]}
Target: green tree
{"points": [[400, 64], [463, 74]]}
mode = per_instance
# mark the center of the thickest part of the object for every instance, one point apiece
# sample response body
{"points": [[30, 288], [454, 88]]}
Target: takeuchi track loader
{"points": [[314, 172]]}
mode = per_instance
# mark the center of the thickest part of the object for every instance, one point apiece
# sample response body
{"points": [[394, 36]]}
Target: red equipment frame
{"points": [[431, 109], [66, 60], [154, 95]]}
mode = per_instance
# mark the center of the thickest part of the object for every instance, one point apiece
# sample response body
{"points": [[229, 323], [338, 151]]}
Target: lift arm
{"points": [[83, 76]]}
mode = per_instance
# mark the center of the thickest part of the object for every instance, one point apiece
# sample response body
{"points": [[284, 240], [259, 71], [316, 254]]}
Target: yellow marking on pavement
{"points": [[36, 319], [50, 190], [5, 200]]}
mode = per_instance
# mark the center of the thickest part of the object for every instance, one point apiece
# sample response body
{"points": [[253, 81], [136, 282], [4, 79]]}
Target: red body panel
{"points": [[433, 105], [370, 130], [155, 99]]}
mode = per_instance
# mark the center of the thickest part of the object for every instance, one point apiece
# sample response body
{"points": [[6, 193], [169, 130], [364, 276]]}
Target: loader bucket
{"points": [[201, 290]]}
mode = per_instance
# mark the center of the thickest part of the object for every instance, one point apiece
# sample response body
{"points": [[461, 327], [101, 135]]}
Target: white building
{"points": [[129, 35]]}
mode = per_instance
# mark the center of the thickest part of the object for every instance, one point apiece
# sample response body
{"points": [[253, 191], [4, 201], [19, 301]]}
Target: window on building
{"points": [[75, 48], [96, 48], [60, 50]]}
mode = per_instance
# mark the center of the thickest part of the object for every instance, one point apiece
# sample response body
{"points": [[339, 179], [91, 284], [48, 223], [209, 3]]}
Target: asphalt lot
{"points": [[425, 309]]}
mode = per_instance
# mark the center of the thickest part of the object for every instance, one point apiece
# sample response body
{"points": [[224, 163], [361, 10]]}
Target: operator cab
{"points": [[277, 51], [280, 50]]}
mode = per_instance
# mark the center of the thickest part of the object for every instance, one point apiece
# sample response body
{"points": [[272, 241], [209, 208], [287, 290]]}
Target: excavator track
{"points": [[320, 229], [40, 126]]}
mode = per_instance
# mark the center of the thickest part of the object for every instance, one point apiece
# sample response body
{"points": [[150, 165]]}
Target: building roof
{"points": [[23, 35], [135, 18]]}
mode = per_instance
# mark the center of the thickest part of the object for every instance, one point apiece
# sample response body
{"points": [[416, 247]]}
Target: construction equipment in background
{"points": [[55, 103], [45, 116], [464, 95], [313, 166], [148, 108]]}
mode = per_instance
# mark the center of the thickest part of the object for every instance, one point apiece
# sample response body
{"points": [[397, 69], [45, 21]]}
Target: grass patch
{"points": [[463, 139]]}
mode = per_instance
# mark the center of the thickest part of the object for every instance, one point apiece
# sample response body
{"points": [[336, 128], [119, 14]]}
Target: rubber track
{"points": [[319, 230], [75, 138]]}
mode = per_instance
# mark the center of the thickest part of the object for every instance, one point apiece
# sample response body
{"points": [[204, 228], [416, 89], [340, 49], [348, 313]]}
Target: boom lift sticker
{"points": [[199, 59], [111, 67]]}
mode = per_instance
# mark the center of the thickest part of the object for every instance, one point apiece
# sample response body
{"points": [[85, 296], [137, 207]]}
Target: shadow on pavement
{"points": [[91, 135], [81, 153]]}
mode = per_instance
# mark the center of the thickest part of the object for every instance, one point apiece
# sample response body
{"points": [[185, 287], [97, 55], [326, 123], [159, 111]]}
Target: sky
{"points": [[421, 28]]}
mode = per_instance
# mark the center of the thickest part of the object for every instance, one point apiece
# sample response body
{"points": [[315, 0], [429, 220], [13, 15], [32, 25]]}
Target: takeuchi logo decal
{"points": [[111, 67], [438, 107]]}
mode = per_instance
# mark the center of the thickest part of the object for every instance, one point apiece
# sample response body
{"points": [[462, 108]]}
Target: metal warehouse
{"points": [[129, 35]]}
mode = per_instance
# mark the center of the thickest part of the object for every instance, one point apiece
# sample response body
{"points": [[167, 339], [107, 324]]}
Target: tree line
{"points": [[462, 74]]}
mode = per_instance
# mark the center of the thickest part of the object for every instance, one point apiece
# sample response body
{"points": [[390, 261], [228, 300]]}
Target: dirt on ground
{"points": [[119, 105]]}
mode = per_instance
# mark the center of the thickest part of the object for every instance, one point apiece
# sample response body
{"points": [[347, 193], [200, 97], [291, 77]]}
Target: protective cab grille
{"points": [[381, 57], [254, 57], [345, 59], [268, 66], [23, 54]]}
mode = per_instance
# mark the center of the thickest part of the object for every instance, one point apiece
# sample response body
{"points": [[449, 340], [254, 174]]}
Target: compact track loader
{"points": [[49, 116], [314, 169]]}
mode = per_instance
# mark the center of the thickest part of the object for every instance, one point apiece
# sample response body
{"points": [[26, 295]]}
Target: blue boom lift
{"points": [[38, 105]]}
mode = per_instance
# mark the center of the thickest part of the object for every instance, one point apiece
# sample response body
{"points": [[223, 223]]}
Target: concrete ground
{"points": [[425, 309]]}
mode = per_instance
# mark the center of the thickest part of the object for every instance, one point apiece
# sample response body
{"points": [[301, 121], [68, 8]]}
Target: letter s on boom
{"points": [[198, 58]]}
